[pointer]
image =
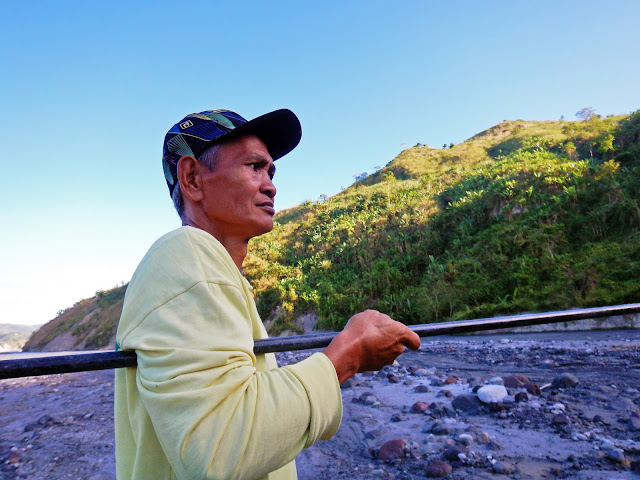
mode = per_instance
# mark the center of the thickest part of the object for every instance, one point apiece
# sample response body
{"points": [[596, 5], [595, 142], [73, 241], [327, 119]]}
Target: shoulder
{"points": [[177, 262], [189, 252], [185, 263]]}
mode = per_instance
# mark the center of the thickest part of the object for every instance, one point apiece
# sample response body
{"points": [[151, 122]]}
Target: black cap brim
{"points": [[280, 131]]}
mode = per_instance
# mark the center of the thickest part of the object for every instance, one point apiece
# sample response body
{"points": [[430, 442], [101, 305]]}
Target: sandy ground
{"points": [[417, 419]]}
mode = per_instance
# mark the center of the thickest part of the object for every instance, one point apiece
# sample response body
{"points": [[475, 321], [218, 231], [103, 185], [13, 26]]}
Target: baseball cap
{"points": [[280, 131]]}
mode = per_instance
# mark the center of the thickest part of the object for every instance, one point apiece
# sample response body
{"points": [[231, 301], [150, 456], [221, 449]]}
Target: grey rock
{"points": [[634, 422], [467, 403], [600, 419], [349, 383], [616, 455], [46, 420], [565, 380], [368, 399], [429, 426], [393, 378], [30, 427], [521, 397], [451, 453], [607, 445], [623, 405], [503, 468], [441, 429], [441, 409]]}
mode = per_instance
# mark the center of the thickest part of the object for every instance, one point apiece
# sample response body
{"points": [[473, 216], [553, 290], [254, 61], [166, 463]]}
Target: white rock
{"points": [[607, 445], [496, 381], [492, 393]]}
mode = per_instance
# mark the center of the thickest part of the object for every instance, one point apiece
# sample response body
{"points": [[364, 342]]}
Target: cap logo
{"points": [[185, 125]]}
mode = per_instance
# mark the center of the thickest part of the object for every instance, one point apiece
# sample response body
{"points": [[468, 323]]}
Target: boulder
{"points": [[492, 393], [392, 450]]}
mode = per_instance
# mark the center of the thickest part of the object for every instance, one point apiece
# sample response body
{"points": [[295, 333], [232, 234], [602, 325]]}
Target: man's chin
{"points": [[262, 229]]}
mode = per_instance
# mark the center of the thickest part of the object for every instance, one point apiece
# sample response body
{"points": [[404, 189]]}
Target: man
{"points": [[200, 404]]}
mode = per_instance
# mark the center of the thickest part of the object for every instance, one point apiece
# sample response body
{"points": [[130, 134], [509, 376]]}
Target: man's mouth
{"points": [[268, 207]]}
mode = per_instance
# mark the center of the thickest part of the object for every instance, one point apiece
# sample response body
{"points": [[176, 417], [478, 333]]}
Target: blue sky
{"points": [[90, 88]]}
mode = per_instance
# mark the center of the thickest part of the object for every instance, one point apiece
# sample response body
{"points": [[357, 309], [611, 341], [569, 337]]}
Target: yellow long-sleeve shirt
{"points": [[200, 404]]}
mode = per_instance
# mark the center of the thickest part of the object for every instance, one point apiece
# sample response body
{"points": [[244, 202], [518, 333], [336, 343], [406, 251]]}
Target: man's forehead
{"points": [[246, 145]]}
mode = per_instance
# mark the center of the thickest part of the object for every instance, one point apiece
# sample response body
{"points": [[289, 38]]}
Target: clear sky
{"points": [[88, 90]]}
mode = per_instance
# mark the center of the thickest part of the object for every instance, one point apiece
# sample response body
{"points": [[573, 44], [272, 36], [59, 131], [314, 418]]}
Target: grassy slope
{"points": [[525, 216], [90, 324]]}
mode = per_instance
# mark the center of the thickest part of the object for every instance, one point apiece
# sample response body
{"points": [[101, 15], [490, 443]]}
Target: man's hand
{"points": [[369, 341]]}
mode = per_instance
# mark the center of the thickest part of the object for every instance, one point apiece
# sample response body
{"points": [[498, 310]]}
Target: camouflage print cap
{"points": [[280, 131]]}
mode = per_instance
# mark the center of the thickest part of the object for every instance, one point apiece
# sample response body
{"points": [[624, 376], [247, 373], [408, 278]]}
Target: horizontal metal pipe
{"points": [[46, 365]]}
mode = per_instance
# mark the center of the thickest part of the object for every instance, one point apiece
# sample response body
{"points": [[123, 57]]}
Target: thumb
{"points": [[412, 340]]}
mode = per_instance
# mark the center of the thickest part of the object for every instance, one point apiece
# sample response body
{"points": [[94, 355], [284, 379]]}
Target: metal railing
{"points": [[47, 365]]}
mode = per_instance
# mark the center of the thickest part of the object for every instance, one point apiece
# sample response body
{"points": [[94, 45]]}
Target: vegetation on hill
{"points": [[525, 216], [90, 324]]}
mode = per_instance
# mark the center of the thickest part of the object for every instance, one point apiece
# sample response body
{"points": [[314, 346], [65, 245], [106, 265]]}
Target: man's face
{"points": [[239, 192]]}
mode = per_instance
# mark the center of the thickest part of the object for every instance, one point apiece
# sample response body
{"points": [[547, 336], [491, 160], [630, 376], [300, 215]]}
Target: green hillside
{"points": [[89, 324], [525, 216]]}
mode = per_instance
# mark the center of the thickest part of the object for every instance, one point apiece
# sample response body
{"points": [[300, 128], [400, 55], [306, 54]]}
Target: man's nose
{"points": [[268, 187]]}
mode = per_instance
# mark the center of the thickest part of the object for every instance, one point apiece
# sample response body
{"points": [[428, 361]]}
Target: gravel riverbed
{"points": [[563, 405]]}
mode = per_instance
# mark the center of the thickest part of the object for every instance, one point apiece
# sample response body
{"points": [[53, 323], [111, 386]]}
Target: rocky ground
{"points": [[548, 406]]}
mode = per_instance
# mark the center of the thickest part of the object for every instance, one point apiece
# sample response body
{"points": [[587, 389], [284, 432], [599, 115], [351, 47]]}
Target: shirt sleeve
{"points": [[216, 416]]}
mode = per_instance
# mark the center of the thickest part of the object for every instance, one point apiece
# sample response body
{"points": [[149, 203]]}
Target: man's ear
{"points": [[189, 177]]}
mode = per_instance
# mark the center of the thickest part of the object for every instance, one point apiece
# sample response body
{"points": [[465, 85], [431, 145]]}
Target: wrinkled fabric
{"points": [[200, 404]]}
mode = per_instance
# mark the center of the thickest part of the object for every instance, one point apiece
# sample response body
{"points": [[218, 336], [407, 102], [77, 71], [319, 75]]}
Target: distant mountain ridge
{"points": [[524, 216], [14, 336]]}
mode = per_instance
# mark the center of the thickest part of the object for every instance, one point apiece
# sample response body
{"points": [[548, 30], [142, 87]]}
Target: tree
{"points": [[570, 150], [586, 113], [388, 177], [606, 144]]}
